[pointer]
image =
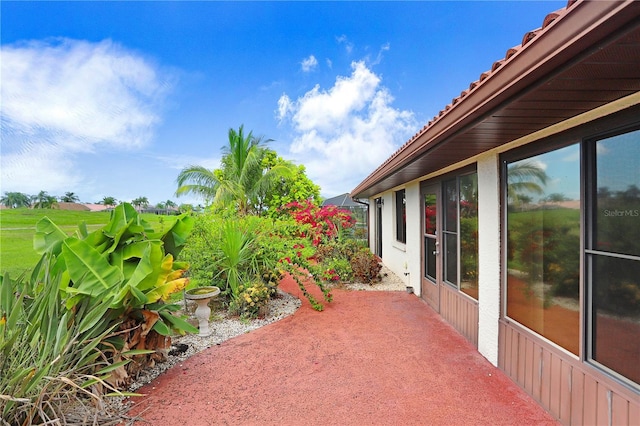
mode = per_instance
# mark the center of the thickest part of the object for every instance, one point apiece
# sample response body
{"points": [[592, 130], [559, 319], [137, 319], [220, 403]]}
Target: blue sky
{"points": [[115, 98]]}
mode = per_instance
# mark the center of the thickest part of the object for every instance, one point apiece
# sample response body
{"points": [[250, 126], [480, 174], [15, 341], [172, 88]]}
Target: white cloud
{"points": [[384, 48], [344, 133], [309, 64], [284, 107], [63, 97], [345, 41]]}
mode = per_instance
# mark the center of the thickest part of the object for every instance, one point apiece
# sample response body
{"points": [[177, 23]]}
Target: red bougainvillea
{"points": [[325, 221]]}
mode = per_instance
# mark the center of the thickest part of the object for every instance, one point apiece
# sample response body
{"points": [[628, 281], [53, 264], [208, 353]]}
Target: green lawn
{"points": [[17, 228]]}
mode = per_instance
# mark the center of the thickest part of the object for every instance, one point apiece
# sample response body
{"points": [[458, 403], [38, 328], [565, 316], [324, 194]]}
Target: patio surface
{"points": [[370, 358]]}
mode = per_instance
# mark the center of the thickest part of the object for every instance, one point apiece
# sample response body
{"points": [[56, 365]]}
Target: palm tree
{"points": [[170, 203], [140, 202], [523, 177], [109, 201], [15, 200], [69, 197], [240, 182], [44, 200]]}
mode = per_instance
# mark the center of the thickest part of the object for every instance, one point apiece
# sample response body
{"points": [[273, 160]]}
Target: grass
{"points": [[17, 228]]}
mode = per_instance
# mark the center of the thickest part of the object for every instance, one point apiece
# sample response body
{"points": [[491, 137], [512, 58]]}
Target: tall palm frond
{"points": [[198, 180], [525, 177]]}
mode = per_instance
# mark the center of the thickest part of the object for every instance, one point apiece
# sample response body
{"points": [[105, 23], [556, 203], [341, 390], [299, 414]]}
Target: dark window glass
{"points": [[401, 217], [616, 314], [430, 258], [451, 258], [543, 245], [451, 206]]}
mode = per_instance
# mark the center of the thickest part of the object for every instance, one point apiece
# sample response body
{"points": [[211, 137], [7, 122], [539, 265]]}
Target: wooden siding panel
{"points": [[515, 337], [577, 397], [565, 393], [572, 391], [522, 357], [620, 411], [529, 367], [545, 380], [634, 410], [507, 350], [537, 373], [461, 312], [502, 331], [555, 382], [602, 405], [590, 409]]}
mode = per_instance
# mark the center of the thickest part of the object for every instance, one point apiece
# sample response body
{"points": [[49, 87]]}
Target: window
{"points": [[469, 235], [401, 216], [543, 245], [613, 254], [552, 261], [460, 233]]}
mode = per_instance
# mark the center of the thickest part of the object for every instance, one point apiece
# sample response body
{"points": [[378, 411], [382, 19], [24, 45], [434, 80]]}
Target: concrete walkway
{"points": [[371, 358]]}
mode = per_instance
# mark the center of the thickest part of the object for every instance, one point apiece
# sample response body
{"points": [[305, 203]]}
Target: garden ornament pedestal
{"points": [[202, 296]]}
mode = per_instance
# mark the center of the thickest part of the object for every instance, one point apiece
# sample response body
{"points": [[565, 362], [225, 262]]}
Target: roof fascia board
{"points": [[560, 41]]}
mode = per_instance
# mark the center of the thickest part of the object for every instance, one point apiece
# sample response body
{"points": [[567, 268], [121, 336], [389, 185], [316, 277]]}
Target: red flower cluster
{"points": [[325, 221]]}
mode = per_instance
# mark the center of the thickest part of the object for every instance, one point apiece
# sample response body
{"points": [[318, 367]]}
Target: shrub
{"points": [[253, 299], [365, 266], [94, 302]]}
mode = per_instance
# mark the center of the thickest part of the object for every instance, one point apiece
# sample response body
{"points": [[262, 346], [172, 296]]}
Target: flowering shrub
{"points": [[326, 221], [337, 269], [253, 298], [365, 266]]}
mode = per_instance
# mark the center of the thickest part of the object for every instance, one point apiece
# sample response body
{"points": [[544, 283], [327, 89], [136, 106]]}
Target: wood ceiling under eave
{"points": [[610, 70]]}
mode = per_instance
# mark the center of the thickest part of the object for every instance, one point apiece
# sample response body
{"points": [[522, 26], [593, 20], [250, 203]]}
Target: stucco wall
{"points": [[401, 259], [488, 256]]}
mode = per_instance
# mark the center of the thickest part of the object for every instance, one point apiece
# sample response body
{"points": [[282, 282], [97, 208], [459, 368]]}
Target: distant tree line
{"points": [[43, 200]]}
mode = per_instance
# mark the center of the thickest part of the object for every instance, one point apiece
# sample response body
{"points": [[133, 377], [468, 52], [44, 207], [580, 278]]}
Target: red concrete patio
{"points": [[371, 358]]}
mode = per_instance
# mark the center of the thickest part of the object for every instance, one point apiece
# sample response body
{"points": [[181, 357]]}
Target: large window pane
{"points": [[543, 245], [469, 235], [618, 194], [614, 256], [616, 315]]}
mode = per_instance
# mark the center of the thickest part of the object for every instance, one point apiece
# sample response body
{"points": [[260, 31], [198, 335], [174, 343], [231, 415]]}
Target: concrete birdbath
{"points": [[202, 296]]}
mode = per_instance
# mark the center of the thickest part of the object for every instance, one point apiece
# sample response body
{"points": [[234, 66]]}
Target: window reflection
{"points": [[430, 214], [618, 194], [469, 235], [616, 311], [543, 245], [614, 259]]}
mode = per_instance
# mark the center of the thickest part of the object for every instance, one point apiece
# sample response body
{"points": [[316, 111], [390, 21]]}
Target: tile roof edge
{"points": [[497, 66]]}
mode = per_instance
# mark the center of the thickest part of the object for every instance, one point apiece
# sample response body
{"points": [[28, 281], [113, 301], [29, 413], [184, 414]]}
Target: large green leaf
{"points": [[120, 218], [178, 324], [48, 236], [89, 271], [176, 235], [150, 270]]}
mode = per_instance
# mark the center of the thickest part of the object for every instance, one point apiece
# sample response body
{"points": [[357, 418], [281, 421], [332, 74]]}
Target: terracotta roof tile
{"points": [[528, 37], [495, 68]]}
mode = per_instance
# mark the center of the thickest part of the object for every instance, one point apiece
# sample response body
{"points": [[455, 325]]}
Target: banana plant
{"points": [[128, 264]]}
